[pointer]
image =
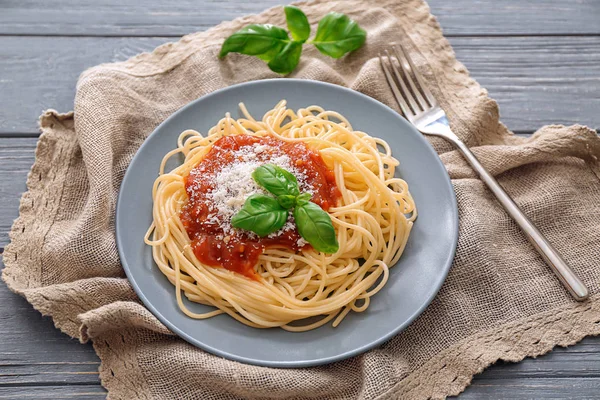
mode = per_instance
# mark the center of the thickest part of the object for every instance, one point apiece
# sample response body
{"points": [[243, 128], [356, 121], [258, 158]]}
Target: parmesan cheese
{"points": [[234, 184]]}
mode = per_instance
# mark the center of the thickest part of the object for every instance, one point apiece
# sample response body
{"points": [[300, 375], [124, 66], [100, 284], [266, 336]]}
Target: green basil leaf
{"points": [[260, 214], [287, 201], [276, 180], [286, 60], [337, 35], [297, 23], [303, 199], [315, 226], [264, 41]]}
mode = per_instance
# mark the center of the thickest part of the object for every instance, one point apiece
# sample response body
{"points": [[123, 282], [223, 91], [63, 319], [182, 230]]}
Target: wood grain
{"points": [[136, 18], [37, 73], [536, 80], [535, 388], [45, 392], [16, 158], [34, 353]]}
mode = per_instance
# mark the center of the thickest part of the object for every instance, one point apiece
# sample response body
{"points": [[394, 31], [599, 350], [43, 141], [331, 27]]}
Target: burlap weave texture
{"points": [[500, 300]]}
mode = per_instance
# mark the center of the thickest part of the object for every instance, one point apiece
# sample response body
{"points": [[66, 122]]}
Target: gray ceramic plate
{"points": [[414, 280]]}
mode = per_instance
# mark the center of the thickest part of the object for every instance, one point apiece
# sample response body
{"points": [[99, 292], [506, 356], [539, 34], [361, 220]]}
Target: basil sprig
{"points": [[336, 35], [264, 215]]}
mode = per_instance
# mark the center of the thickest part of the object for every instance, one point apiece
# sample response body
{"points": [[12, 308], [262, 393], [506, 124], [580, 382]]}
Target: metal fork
{"points": [[423, 111]]}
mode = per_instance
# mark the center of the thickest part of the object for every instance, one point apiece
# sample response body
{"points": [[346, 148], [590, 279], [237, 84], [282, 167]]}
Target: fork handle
{"points": [[566, 275]]}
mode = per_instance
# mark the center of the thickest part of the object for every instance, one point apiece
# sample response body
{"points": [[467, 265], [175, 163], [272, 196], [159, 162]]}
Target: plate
{"points": [[414, 280]]}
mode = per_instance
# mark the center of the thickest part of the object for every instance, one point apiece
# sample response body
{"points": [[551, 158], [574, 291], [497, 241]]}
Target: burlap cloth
{"points": [[500, 300]]}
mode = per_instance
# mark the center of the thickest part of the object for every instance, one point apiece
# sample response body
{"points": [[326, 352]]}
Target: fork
{"points": [[420, 107]]}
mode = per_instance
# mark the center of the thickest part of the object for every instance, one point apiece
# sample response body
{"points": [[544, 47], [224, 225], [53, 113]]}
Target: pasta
{"points": [[294, 289]]}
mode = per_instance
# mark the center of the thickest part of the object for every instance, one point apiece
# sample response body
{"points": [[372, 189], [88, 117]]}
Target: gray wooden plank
{"points": [[33, 352], [580, 361], [87, 392], [37, 73], [540, 388], [156, 18], [536, 80], [49, 374], [16, 158]]}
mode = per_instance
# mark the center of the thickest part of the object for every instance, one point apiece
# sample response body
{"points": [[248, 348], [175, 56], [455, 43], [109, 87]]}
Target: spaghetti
{"points": [[290, 285]]}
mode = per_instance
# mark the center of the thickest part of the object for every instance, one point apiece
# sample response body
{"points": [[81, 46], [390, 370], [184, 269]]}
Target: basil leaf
{"points": [[264, 41], [303, 199], [297, 23], [260, 214], [315, 226], [286, 201], [276, 180], [337, 35], [287, 59]]}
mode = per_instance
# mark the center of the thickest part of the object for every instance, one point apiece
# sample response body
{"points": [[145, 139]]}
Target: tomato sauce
{"points": [[239, 251]]}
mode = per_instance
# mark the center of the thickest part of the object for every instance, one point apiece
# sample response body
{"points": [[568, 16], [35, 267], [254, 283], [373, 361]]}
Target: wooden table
{"points": [[540, 61]]}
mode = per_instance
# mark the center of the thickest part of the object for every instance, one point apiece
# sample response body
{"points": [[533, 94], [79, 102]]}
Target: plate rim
{"points": [[303, 363]]}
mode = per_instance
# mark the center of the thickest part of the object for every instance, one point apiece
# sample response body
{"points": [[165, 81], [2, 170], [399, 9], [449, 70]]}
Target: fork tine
{"points": [[420, 82], [419, 99], [403, 88], [408, 113]]}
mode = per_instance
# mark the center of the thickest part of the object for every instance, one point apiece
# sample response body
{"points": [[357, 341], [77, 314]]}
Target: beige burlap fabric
{"points": [[500, 300]]}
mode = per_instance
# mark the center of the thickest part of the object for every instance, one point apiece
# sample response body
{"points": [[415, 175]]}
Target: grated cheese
{"points": [[234, 184]]}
